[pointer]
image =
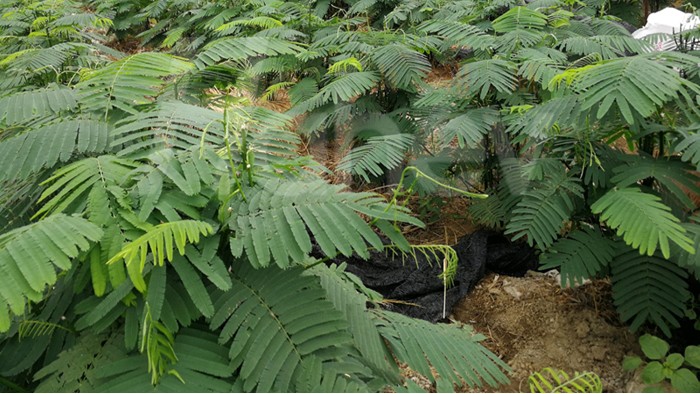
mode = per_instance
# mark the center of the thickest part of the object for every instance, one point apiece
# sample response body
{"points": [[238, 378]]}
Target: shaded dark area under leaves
{"points": [[419, 284]]}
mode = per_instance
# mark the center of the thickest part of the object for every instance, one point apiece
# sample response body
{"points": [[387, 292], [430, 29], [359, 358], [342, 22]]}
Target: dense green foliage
{"points": [[157, 220], [157, 231], [678, 369], [551, 380]]}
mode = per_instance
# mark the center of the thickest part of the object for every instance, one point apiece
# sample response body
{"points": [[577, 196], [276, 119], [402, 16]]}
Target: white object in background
{"points": [[667, 21]]}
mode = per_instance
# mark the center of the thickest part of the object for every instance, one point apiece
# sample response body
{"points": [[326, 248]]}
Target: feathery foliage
{"points": [[576, 259], [673, 175], [187, 142], [160, 241], [456, 361], [28, 256], [376, 155], [21, 107], [690, 146], [402, 66], [542, 211], [273, 227], [282, 321], [642, 220], [636, 85], [648, 288], [45, 146], [551, 380], [75, 369], [128, 82], [481, 76], [240, 48]]}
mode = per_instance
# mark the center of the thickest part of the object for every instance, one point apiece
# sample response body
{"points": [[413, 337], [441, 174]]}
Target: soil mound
{"points": [[532, 323]]}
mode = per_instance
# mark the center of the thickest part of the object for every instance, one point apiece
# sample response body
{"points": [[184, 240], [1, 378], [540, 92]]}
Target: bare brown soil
{"points": [[129, 45], [532, 323]]}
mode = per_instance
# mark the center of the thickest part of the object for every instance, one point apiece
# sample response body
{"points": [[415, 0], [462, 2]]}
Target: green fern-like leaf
{"points": [[342, 290], [39, 60], [642, 220], [193, 285], [172, 302], [445, 255], [470, 127], [458, 34], [264, 22], [75, 368], [690, 147], [519, 18], [197, 81], [489, 211], [37, 328], [494, 210], [402, 66], [240, 48], [303, 90], [541, 168], [270, 137], [157, 342], [579, 256], [28, 255], [45, 146], [129, 81], [202, 365], [479, 77], [160, 242], [188, 169], [335, 379], [691, 261], [649, 288], [541, 213], [602, 46], [514, 182], [636, 85], [519, 39], [376, 155], [204, 257], [540, 121], [273, 226], [70, 185], [453, 352], [551, 380], [82, 20], [342, 88], [670, 173], [330, 44], [290, 326], [99, 313], [26, 106], [170, 124], [540, 67]]}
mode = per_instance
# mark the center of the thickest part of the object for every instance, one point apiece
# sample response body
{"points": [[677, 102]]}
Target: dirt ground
{"points": [[531, 323]]}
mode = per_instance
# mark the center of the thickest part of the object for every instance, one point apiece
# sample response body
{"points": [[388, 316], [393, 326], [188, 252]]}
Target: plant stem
{"points": [[12, 385]]}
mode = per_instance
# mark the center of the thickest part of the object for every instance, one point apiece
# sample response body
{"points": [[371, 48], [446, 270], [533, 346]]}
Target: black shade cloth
{"points": [[410, 283]]}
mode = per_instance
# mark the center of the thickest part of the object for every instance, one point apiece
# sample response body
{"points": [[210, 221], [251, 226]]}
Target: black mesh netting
{"points": [[409, 283]]}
